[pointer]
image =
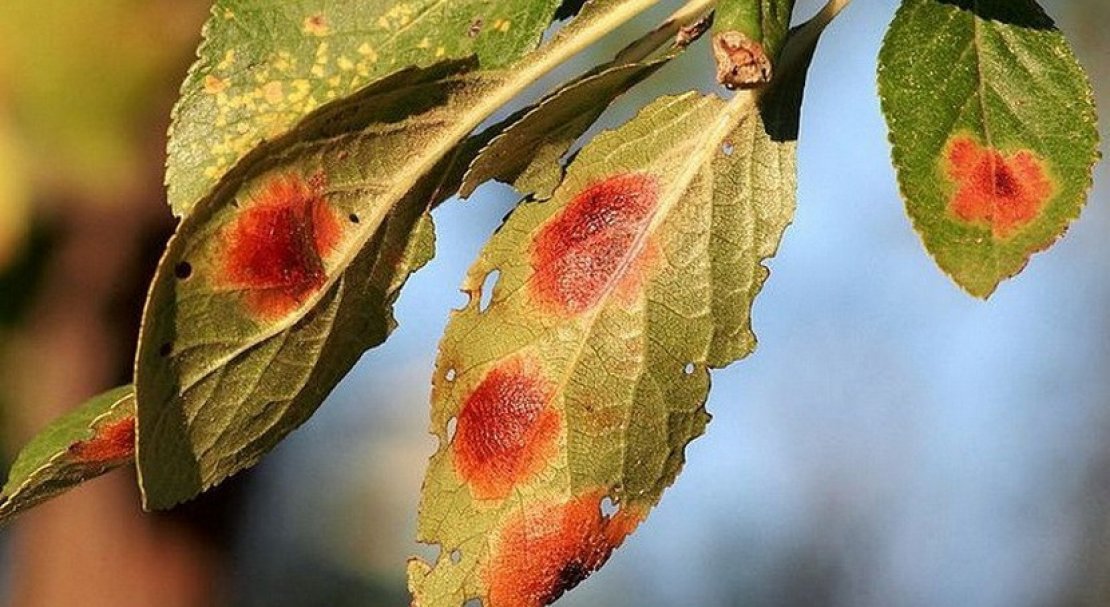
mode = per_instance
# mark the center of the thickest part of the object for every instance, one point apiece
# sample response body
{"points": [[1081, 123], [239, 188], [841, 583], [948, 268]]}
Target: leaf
{"points": [[277, 282], [992, 122], [563, 406], [264, 65], [528, 154], [81, 445]]}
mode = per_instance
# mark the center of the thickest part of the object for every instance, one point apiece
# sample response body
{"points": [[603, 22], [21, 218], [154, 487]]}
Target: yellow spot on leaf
{"points": [[368, 51], [214, 85], [273, 93], [441, 52], [229, 58], [345, 64]]}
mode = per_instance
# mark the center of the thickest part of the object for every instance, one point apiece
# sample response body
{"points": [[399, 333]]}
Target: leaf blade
{"points": [[999, 91], [93, 439]]}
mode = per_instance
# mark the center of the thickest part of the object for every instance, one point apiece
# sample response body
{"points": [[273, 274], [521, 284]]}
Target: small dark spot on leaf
{"points": [[353, 217], [166, 349], [475, 28], [183, 270], [572, 574]]}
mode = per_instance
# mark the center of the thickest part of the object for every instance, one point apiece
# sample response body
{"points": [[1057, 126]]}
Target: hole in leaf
{"points": [[689, 368], [728, 148], [474, 602], [183, 270], [353, 217], [452, 425], [486, 294], [451, 374], [456, 556], [166, 349], [609, 507]]}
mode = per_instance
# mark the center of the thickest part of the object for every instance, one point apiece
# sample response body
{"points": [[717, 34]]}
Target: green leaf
{"points": [[264, 65], [563, 406], [572, 387], [992, 122], [528, 154], [277, 282], [81, 445]]}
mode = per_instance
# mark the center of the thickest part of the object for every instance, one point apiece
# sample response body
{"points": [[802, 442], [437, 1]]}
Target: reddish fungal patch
{"points": [[593, 244], [1005, 192], [549, 549], [275, 249], [506, 429], [113, 441]]}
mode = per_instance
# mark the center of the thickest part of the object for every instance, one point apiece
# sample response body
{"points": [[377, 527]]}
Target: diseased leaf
{"points": [[528, 154], [582, 382], [564, 406], [87, 442], [992, 122], [264, 65], [280, 279]]}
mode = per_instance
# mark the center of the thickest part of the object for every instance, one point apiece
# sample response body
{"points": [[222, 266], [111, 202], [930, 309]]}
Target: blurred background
{"points": [[891, 443]]}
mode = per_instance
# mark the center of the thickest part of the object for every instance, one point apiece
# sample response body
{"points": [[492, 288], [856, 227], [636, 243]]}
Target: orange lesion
{"points": [[1002, 191], [507, 428], [111, 442], [274, 250], [595, 244], [546, 549]]}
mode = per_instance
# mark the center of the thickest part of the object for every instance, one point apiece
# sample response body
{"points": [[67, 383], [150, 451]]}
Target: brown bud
{"points": [[741, 61]]}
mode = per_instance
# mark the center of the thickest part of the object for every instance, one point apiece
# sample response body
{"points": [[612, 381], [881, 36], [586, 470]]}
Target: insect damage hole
{"points": [[451, 374], [728, 148], [452, 425], [456, 556], [474, 602], [183, 270], [609, 507], [485, 294], [689, 369], [353, 218]]}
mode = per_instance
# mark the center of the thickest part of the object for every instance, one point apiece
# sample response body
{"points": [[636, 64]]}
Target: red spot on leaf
{"points": [[594, 243], [275, 249], [549, 549], [1005, 192], [506, 429], [113, 441]]}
